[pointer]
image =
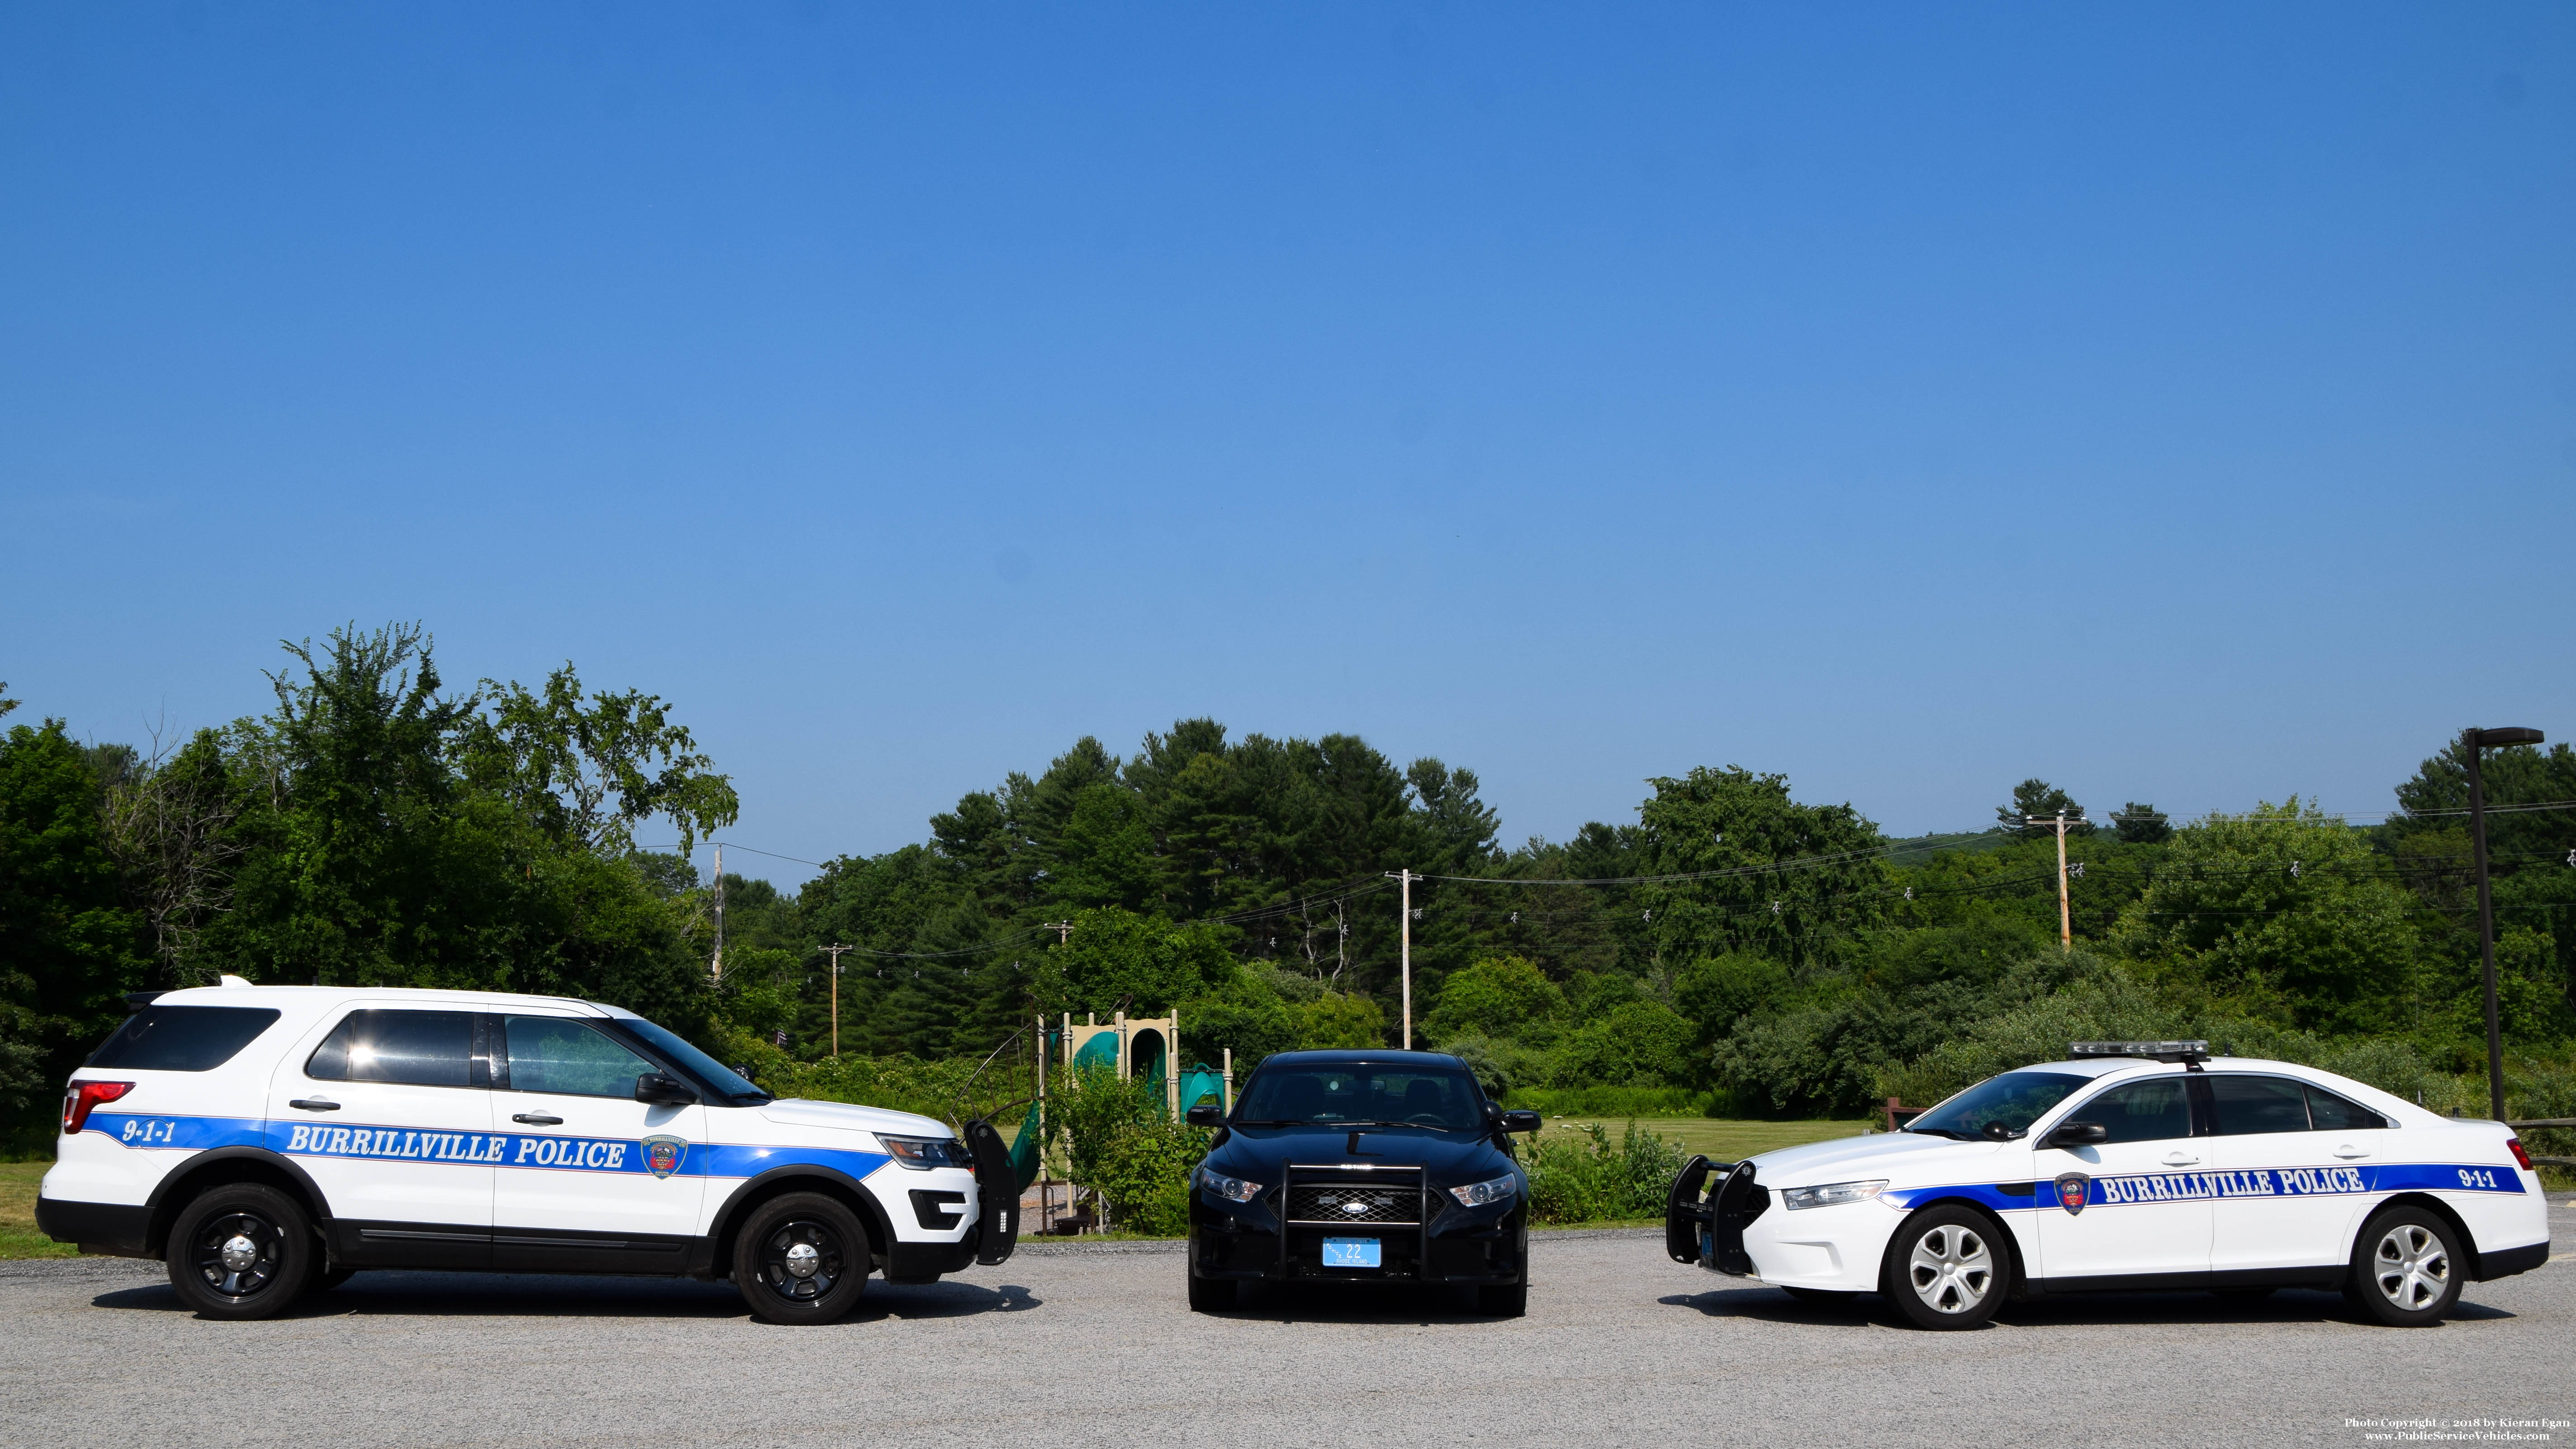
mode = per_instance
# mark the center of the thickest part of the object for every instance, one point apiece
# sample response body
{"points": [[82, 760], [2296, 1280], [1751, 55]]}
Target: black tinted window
{"points": [[2331, 1113], [420, 1048], [182, 1038], [1335, 1096], [2140, 1111], [2258, 1104]]}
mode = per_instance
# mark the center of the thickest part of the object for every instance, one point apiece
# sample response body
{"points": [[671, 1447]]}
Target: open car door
{"points": [[997, 1189]]}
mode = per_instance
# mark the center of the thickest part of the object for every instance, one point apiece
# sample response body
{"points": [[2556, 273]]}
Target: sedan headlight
{"points": [[1833, 1192], [924, 1153], [1232, 1189], [1481, 1194]]}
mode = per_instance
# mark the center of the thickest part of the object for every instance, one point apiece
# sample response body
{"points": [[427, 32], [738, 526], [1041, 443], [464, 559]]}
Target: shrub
{"points": [[1581, 1177]]}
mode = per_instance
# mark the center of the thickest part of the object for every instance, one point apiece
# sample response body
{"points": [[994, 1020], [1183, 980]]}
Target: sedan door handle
{"points": [[313, 1104], [2347, 1151], [537, 1119], [2179, 1159]]}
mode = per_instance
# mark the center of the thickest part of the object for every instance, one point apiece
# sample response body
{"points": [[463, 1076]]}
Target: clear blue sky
{"points": [[2177, 404]]}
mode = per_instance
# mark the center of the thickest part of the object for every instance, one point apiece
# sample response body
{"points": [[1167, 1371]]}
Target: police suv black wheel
{"points": [[1947, 1267], [2406, 1268], [241, 1250], [1211, 1295], [1503, 1300], [801, 1258]]}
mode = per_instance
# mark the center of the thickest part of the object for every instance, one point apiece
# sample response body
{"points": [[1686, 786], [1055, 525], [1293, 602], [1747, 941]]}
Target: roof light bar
{"points": [[2154, 1051]]}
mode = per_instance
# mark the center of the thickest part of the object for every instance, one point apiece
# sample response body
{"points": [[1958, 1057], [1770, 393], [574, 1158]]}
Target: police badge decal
{"points": [[663, 1155], [2072, 1190]]}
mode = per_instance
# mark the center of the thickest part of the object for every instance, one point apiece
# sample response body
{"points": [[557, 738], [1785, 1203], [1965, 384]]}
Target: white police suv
{"points": [[270, 1140], [2135, 1165]]}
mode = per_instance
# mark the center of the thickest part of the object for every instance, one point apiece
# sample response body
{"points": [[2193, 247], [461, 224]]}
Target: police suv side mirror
{"points": [[1207, 1116], [1520, 1120], [661, 1091], [2077, 1134]]}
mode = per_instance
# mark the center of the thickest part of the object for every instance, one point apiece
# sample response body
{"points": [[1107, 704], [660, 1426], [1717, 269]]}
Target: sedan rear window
{"points": [[182, 1038]]}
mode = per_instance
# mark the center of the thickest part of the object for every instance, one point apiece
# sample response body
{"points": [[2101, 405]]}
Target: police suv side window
{"points": [[2140, 1112], [413, 1048], [2247, 1105], [565, 1057], [2335, 1114]]}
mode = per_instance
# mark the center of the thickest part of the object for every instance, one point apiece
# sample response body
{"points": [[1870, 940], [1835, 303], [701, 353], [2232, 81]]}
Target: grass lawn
{"points": [[18, 1235], [1720, 1139]]}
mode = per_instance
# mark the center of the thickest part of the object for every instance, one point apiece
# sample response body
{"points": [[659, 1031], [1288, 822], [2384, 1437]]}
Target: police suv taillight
{"points": [[80, 1097], [2521, 1154]]}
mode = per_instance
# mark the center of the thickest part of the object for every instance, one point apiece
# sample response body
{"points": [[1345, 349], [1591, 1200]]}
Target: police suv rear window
{"points": [[182, 1038], [416, 1048]]}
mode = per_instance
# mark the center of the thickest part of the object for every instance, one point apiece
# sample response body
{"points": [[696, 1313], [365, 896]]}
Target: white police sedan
{"points": [[270, 1140], [2135, 1165]]}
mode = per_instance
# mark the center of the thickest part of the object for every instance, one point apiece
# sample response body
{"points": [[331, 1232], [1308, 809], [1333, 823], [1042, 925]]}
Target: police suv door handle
{"points": [[313, 1104], [2179, 1159], [537, 1119], [2347, 1151]]}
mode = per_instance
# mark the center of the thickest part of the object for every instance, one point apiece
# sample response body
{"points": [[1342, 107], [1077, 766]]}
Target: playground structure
{"points": [[1135, 1048]]}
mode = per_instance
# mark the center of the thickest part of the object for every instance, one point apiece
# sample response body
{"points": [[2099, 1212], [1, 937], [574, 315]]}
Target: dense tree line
{"points": [[377, 827]]}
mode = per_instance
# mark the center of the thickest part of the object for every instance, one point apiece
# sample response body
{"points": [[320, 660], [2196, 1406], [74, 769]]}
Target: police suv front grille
{"points": [[1352, 1202]]}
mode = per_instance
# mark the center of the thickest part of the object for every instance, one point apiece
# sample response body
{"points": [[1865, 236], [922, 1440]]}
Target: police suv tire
{"points": [[1211, 1295], [242, 1250], [1948, 1267], [1823, 1297], [801, 1258], [2407, 1268], [1503, 1300]]}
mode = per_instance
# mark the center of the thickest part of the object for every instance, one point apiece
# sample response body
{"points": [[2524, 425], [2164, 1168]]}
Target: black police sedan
{"points": [[1361, 1167]]}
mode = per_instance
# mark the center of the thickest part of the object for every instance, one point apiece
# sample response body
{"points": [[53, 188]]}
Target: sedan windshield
{"points": [[1361, 1096], [2009, 1103]]}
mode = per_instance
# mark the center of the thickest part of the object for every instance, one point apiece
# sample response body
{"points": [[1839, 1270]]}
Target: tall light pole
{"points": [[2472, 742], [835, 952]]}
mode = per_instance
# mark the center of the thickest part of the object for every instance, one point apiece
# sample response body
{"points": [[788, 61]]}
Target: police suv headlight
{"points": [[924, 1153], [1832, 1193], [1483, 1194], [1232, 1189]]}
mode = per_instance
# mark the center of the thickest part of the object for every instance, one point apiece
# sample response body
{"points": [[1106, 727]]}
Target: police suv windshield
{"points": [[2007, 1104], [689, 1059], [1361, 1095]]}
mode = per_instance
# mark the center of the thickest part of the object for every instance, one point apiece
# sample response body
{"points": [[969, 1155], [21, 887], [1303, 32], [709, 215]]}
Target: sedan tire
{"points": [[1948, 1267], [2406, 1268]]}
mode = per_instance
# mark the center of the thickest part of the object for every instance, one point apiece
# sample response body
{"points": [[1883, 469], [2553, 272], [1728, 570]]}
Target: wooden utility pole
{"points": [[1406, 877], [1063, 930], [835, 952], [2065, 906], [715, 966]]}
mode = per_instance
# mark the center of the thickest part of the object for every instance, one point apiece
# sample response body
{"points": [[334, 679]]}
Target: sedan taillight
{"points": [[80, 1097], [2521, 1154]]}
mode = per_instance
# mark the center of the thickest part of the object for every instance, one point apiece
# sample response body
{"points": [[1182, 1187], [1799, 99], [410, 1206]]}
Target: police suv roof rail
{"points": [[2190, 1053]]}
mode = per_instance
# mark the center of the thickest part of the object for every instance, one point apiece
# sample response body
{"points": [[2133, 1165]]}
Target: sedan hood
{"points": [[1843, 1157], [1451, 1157], [798, 1112]]}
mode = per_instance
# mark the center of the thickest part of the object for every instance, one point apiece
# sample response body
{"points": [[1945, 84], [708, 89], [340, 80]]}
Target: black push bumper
{"points": [[1709, 1230]]}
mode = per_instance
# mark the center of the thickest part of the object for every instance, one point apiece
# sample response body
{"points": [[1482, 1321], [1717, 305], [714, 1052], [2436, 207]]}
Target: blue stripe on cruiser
{"points": [[2270, 1182], [537, 1151]]}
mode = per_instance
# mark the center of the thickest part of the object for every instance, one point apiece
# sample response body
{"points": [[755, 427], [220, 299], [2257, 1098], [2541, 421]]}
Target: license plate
{"points": [[1350, 1253]]}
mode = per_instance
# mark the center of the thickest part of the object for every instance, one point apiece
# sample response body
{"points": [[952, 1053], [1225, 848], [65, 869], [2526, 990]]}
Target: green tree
{"points": [[2035, 798], [1501, 996], [70, 946], [2283, 911], [1113, 954]]}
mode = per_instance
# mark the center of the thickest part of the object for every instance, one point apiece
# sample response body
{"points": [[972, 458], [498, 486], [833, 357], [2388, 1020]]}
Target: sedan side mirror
{"points": [[1207, 1116], [2077, 1134], [1520, 1120], [661, 1091]]}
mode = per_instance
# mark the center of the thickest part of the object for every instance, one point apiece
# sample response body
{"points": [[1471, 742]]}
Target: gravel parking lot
{"points": [[1090, 1344]]}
